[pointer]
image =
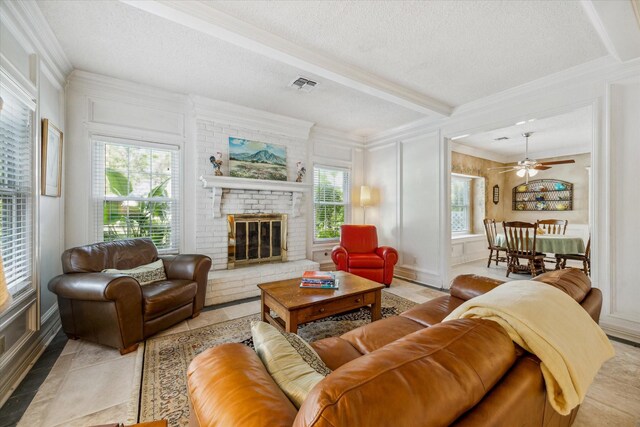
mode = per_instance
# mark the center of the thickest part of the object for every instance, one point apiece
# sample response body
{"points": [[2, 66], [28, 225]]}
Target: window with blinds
{"points": [[460, 204], [16, 192], [137, 193], [330, 201]]}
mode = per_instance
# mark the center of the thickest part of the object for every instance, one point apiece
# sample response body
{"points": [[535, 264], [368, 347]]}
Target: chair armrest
{"points": [[340, 258], [96, 287], [388, 254], [229, 386], [189, 267], [467, 286], [185, 266]]}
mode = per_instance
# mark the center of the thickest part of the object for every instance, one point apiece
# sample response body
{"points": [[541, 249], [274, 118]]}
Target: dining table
{"points": [[552, 243]]}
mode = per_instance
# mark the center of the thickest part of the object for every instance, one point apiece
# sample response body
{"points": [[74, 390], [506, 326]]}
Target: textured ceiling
{"points": [[111, 38], [570, 132], [455, 51]]}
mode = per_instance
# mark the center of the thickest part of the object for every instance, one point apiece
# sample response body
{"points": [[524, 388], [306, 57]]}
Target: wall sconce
{"points": [[365, 200], [496, 194]]}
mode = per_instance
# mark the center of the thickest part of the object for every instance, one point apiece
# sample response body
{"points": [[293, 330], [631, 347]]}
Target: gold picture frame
{"points": [[51, 160]]}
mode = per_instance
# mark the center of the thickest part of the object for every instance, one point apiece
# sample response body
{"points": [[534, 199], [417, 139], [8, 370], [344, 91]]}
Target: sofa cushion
{"points": [[335, 351], [163, 296], [370, 260], [571, 281], [433, 311], [144, 274], [443, 371], [373, 336], [288, 368]]}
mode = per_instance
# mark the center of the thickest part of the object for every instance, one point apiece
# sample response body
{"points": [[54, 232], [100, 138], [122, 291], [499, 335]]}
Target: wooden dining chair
{"points": [[492, 231], [521, 244], [553, 226], [561, 259]]}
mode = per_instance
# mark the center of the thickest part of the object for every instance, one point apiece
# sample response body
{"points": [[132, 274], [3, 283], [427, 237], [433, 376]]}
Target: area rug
{"points": [[163, 392]]}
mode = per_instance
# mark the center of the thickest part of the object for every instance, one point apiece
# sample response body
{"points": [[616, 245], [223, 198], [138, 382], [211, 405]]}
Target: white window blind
{"points": [[16, 192], [460, 204], [137, 193], [331, 201]]}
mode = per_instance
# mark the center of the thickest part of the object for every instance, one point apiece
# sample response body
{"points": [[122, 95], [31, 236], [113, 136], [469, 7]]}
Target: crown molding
{"points": [[406, 131], [206, 19], [238, 116], [136, 93], [335, 137], [588, 72], [30, 20], [594, 72]]}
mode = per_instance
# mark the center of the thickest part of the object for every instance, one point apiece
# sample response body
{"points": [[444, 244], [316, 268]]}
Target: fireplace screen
{"points": [[255, 238]]}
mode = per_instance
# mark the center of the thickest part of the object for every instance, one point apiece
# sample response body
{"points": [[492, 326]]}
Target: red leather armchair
{"points": [[359, 254]]}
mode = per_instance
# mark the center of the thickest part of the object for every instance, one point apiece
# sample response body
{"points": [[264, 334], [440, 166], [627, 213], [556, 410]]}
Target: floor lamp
{"points": [[365, 200]]}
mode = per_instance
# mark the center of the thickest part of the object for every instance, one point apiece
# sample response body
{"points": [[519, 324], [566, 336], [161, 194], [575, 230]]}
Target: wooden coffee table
{"points": [[295, 306]]}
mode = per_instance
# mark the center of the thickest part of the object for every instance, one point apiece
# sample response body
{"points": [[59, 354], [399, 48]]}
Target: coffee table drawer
{"points": [[320, 311]]}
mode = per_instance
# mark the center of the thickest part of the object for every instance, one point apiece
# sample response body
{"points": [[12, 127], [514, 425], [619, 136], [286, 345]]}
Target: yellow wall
{"points": [[576, 174]]}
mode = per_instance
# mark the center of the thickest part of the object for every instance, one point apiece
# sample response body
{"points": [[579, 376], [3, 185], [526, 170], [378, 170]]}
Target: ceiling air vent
{"points": [[302, 84], [502, 138]]}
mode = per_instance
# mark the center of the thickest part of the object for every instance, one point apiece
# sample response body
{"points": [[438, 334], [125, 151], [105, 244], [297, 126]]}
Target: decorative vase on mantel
{"points": [[301, 171]]}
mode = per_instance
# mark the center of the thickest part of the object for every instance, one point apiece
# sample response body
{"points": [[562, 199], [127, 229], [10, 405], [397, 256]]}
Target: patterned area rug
{"points": [[164, 378]]}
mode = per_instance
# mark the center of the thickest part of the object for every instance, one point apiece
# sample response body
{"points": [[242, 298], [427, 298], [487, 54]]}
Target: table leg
{"points": [[291, 324], [376, 307], [264, 310]]}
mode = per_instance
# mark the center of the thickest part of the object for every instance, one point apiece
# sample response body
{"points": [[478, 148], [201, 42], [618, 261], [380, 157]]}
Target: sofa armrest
{"points": [[388, 254], [340, 258], [467, 286], [189, 267], [96, 287], [229, 386]]}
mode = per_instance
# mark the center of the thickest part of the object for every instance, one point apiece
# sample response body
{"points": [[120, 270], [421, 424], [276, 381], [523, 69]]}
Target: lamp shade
{"points": [[5, 298], [533, 172], [521, 172], [365, 195]]}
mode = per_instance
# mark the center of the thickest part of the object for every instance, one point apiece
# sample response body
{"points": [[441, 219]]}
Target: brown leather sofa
{"points": [[113, 309], [408, 370]]}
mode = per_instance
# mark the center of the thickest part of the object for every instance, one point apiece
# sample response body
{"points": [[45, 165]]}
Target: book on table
{"points": [[319, 279]]}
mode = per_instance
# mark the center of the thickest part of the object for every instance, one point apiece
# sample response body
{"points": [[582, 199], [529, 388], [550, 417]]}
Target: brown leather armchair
{"points": [[113, 309], [359, 254]]}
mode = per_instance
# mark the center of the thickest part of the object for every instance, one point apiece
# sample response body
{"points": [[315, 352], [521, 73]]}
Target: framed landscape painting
{"points": [[257, 160]]}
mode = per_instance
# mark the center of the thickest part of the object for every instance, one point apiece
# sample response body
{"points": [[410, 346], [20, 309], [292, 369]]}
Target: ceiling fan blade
{"points": [[510, 170], [541, 167], [558, 162]]}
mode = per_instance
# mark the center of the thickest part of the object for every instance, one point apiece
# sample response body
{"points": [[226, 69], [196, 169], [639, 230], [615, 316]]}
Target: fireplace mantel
{"points": [[211, 181], [218, 183]]}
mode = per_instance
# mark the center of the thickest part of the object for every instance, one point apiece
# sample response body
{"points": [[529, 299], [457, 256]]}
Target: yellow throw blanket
{"points": [[550, 324]]}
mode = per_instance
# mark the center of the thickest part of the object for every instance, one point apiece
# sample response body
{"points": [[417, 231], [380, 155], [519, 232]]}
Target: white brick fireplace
{"points": [[233, 284], [220, 196]]}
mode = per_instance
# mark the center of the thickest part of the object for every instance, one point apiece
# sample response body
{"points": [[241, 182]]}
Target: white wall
{"points": [[29, 59], [100, 106], [624, 300], [611, 90]]}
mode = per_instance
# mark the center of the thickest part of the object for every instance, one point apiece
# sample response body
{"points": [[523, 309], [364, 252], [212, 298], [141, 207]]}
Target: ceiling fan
{"points": [[530, 167]]}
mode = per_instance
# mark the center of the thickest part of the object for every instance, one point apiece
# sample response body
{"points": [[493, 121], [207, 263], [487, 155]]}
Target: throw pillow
{"points": [[288, 368], [144, 274]]}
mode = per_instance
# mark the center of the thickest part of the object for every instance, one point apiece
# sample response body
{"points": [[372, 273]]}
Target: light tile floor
{"points": [[91, 384]]}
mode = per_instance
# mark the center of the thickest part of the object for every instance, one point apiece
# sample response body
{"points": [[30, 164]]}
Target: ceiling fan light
{"points": [[521, 172], [533, 172]]}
